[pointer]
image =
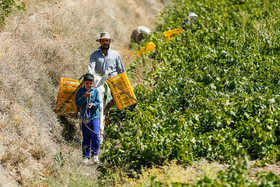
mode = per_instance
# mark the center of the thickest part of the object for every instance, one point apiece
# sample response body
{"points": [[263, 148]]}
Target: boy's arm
{"points": [[79, 99], [96, 102]]}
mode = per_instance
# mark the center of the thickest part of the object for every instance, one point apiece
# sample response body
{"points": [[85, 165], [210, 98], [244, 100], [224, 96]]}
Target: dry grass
{"points": [[53, 39]]}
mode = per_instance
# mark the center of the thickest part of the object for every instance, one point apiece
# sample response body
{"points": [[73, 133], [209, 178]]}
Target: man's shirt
{"points": [[98, 63]]}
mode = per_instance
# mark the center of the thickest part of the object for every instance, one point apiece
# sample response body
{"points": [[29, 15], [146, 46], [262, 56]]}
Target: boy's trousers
{"points": [[91, 140]]}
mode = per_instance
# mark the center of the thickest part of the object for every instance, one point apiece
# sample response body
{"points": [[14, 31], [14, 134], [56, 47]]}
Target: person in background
{"points": [[87, 100], [104, 63], [139, 33]]}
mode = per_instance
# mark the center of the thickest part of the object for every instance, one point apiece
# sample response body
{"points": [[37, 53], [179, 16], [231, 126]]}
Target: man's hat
{"points": [[105, 35]]}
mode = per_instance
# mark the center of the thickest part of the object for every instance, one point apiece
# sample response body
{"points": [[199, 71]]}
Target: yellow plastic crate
{"points": [[146, 49], [168, 34], [66, 108], [67, 88], [122, 99]]}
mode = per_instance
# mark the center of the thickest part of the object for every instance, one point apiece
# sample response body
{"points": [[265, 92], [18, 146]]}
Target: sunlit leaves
{"points": [[213, 89]]}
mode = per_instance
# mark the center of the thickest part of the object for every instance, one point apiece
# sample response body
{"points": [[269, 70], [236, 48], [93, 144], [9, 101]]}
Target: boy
{"points": [[87, 100]]}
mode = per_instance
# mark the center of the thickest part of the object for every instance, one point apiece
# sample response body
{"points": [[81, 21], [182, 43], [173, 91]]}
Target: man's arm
{"points": [[91, 65], [120, 66], [91, 69]]}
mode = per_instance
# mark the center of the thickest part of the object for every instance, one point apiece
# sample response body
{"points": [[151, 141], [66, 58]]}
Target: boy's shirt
{"points": [[83, 102]]}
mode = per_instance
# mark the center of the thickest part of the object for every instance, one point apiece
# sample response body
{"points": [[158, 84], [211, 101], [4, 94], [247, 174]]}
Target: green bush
{"points": [[214, 89]]}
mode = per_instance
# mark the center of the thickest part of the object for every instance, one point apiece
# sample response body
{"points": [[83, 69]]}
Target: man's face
{"points": [[105, 43]]}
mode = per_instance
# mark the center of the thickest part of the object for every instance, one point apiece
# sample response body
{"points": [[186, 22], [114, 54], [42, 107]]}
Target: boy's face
{"points": [[88, 85]]}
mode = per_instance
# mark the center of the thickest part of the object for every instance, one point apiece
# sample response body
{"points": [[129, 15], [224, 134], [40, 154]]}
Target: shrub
{"points": [[7, 7], [213, 90]]}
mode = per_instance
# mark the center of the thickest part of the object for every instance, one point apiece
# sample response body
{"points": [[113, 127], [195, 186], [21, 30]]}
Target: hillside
{"points": [[50, 40], [208, 98]]}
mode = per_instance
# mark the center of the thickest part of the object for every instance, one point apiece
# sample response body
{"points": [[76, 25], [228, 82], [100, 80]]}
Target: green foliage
{"points": [[7, 7], [214, 89], [236, 175], [58, 158]]}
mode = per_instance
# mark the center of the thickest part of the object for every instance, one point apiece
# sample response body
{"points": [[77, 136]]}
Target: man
{"points": [[104, 63]]}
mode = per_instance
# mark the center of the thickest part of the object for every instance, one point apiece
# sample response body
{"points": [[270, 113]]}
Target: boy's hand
{"points": [[87, 94], [90, 105]]}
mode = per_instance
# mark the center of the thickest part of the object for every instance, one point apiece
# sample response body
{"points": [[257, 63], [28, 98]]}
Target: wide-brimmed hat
{"points": [[105, 35]]}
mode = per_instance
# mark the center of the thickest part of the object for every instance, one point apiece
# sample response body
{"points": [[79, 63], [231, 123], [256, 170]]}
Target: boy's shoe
{"points": [[95, 159], [86, 161]]}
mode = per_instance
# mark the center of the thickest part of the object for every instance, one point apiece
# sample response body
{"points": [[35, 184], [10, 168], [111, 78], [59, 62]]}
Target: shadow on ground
{"points": [[70, 132]]}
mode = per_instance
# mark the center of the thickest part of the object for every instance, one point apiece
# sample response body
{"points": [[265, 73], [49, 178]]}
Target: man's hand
{"points": [[105, 76], [87, 94]]}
